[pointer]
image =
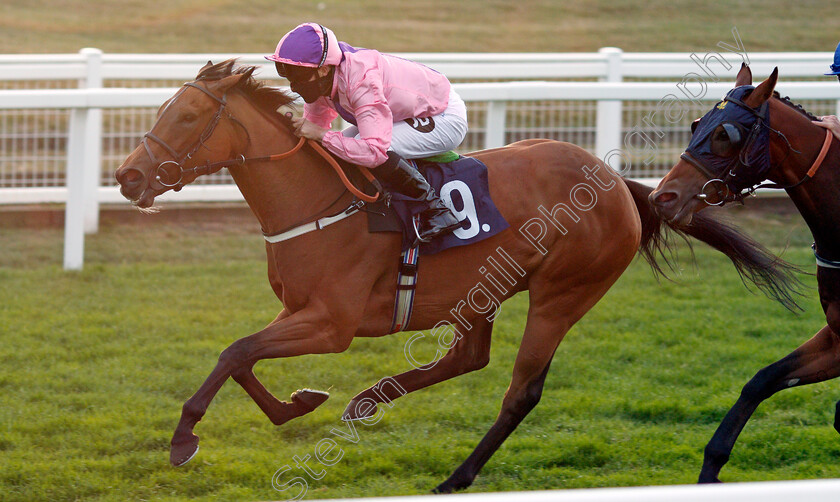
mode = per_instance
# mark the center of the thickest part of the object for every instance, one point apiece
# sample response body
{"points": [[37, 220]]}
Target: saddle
{"points": [[461, 182]]}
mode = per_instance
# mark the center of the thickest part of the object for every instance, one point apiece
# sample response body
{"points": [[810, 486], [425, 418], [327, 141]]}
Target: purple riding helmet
{"points": [[300, 53]]}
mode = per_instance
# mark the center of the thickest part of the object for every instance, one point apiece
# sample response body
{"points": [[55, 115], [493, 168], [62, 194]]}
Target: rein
{"points": [[212, 167], [812, 170]]}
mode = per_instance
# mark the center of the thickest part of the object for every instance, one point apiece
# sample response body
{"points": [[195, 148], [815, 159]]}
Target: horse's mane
{"points": [[786, 100], [266, 97]]}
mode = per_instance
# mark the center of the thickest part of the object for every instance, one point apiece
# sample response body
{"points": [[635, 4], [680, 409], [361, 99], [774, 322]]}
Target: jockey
{"points": [[830, 121], [399, 109]]}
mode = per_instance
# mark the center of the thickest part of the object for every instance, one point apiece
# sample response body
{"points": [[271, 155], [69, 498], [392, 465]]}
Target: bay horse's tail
{"points": [[755, 264]]}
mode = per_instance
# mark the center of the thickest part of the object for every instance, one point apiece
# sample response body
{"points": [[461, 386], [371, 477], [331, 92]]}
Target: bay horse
{"points": [[575, 226], [793, 152]]}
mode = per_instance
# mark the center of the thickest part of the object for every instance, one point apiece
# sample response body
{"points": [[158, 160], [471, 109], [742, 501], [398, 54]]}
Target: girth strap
{"points": [[406, 288], [822, 262]]}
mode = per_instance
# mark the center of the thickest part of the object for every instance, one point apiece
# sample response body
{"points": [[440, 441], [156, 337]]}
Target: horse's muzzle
{"points": [[132, 181]]}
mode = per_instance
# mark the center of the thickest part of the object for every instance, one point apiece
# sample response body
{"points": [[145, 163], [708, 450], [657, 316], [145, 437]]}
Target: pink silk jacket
{"points": [[373, 91]]}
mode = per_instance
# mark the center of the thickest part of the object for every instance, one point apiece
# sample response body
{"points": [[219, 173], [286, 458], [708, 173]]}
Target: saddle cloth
{"points": [[463, 187]]}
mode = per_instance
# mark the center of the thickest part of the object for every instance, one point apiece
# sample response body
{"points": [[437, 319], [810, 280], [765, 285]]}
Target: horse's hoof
{"points": [[442, 488], [309, 399], [356, 412], [711, 480], [454, 483], [181, 452], [447, 487]]}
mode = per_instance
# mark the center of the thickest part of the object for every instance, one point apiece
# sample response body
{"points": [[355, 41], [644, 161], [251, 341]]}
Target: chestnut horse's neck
{"points": [[815, 198], [281, 193]]}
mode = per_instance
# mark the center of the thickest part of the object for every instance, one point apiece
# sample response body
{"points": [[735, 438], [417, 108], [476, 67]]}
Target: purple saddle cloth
{"points": [[463, 186]]}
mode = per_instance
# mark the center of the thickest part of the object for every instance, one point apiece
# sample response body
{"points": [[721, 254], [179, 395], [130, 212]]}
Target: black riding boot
{"points": [[436, 219]]}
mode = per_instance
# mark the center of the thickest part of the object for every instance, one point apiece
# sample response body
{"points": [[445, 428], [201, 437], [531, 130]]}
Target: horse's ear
{"points": [[744, 76], [764, 90], [208, 65], [232, 81]]}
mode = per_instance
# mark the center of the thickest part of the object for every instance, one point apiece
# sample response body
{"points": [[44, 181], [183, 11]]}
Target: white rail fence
{"points": [[771, 491], [599, 110]]}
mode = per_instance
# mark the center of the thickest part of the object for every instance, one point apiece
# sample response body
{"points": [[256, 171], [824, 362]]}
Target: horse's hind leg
{"points": [[816, 360], [469, 353], [549, 319]]}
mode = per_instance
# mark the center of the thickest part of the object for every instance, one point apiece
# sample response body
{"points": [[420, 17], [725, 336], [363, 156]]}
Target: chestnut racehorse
{"points": [[797, 151], [574, 228]]}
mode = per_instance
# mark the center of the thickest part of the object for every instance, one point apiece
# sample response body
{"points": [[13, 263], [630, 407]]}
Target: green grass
{"points": [[61, 26], [97, 364]]}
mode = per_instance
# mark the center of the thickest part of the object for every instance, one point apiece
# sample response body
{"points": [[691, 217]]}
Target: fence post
{"points": [[84, 154], [494, 131], [92, 162], [608, 121], [74, 212]]}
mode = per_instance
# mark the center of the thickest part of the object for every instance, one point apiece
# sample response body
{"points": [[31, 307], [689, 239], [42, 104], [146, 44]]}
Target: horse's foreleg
{"points": [[470, 352], [816, 360], [305, 332], [279, 412]]}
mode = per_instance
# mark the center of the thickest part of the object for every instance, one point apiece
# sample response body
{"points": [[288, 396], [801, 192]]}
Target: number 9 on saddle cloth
{"points": [[462, 185]]}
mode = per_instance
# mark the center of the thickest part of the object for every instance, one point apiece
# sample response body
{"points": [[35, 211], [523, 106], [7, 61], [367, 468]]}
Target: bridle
{"points": [[169, 174], [717, 188], [175, 179]]}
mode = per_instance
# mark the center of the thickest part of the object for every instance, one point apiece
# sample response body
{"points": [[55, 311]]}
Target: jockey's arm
{"points": [[320, 113], [374, 120]]}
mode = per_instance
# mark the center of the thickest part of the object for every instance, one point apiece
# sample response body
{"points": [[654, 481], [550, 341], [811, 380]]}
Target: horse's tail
{"points": [[755, 264]]}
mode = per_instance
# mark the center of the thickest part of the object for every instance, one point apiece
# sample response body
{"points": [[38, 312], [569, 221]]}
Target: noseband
{"points": [[170, 173]]}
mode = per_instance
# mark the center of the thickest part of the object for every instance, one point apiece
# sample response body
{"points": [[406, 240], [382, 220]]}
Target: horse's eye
{"points": [[726, 140], [189, 118]]}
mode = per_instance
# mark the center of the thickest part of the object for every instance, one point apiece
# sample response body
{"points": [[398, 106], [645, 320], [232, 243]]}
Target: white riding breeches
{"points": [[424, 137]]}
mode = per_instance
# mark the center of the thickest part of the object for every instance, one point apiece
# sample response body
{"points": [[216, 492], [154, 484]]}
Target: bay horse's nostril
{"points": [[663, 198]]}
